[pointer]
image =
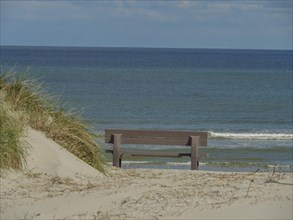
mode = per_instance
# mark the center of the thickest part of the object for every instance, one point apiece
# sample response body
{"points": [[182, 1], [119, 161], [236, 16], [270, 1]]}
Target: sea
{"points": [[242, 98]]}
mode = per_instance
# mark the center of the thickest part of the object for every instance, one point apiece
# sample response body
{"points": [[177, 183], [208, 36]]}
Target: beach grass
{"points": [[40, 110], [13, 149]]}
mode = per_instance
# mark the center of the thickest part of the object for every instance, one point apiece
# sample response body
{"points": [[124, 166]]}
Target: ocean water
{"points": [[243, 98]]}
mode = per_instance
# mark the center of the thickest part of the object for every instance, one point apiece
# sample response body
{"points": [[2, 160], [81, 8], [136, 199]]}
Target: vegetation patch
{"points": [[12, 148], [24, 102]]}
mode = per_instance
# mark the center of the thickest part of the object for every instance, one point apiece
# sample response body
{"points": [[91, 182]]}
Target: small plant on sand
{"points": [[41, 112]]}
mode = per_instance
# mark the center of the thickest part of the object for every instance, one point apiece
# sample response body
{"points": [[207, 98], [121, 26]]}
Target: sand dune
{"points": [[57, 185], [46, 156]]}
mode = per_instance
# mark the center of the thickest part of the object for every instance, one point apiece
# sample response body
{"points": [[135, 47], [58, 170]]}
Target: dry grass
{"points": [[41, 112]]}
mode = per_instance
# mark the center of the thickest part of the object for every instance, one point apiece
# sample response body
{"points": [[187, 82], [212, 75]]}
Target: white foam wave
{"points": [[279, 166], [252, 136], [160, 162], [135, 162], [184, 163]]}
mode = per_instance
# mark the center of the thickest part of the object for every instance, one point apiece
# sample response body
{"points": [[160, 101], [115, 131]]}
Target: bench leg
{"points": [[116, 150], [194, 152]]}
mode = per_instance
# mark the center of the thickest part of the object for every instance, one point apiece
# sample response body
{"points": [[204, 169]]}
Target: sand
{"points": [[57, 185]]}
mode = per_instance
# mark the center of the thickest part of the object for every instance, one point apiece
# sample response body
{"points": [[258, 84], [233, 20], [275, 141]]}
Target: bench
{"points": [[117, 137]]}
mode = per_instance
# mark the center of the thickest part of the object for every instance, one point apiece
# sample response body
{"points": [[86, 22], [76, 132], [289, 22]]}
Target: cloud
{"points": [[222, 6], [42, 11], [283, 4], [165, 21], [153, 11]]}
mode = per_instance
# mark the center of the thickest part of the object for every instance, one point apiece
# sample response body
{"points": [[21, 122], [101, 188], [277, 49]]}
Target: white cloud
{"points": [[221, 6], [97, 18], [184, 4], [43, 11], [160, 11]]}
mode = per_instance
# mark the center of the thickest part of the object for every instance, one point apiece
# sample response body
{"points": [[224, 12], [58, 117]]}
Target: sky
{"points": [[240, 24]]}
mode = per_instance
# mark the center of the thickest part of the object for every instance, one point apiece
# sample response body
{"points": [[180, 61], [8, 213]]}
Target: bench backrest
{"points": [[156, 137]]}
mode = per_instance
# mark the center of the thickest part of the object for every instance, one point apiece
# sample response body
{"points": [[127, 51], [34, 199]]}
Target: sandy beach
{"points": [[57, 185]]}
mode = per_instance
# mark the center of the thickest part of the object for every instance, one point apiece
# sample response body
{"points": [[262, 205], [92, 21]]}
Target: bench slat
{"points": [[152, 153], [156, 141]]}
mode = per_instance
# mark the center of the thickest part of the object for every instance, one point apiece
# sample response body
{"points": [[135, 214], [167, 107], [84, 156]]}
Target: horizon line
{"points": [[145, 47]]}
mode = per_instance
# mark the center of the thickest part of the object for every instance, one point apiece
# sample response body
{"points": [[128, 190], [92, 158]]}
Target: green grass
{"points": [[41, 111], [13, 150]]}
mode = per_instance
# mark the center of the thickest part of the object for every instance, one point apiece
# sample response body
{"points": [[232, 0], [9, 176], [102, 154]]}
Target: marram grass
{"points": [[41, 112], [13, 149]]}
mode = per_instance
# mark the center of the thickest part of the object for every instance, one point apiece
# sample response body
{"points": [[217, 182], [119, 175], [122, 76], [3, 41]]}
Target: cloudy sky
{"points": [[170, 23]]}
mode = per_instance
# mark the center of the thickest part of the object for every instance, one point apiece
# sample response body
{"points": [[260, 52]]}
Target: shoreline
{"points": [[261, 168]]}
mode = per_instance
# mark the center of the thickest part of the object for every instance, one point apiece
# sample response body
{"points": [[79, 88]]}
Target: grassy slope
{"points": [[24, 103]]}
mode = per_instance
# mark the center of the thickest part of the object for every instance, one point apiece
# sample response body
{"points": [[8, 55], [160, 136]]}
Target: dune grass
{"points": [[41, 111], [13, 150]]}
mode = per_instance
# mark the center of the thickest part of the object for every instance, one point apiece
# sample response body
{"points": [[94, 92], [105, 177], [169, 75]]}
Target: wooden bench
{"points": [[154, 137]]}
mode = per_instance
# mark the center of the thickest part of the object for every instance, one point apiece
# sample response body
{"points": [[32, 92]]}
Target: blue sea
{"points": [[243, 98]]}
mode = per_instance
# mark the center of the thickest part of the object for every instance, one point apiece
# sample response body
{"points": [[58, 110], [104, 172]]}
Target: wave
{"points": [[251, 136], [215, 164]]}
